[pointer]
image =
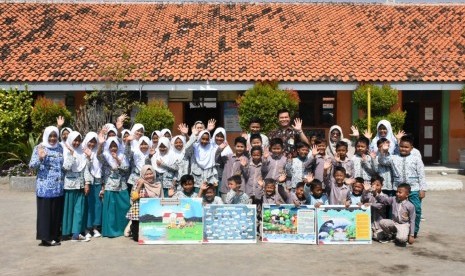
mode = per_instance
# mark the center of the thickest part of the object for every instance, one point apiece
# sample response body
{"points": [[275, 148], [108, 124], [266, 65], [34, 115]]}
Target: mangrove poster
{"points": [[288, 224]]}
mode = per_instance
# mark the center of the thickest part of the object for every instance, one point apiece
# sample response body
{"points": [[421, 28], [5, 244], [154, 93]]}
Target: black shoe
{"points": [[56, 243], [415, 235], [45, 243]]}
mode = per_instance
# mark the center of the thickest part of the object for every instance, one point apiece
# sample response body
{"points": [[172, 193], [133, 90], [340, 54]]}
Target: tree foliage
{"points": [[155, 116], [382, 100], [45, 113], [15, 109], [263, 101]]}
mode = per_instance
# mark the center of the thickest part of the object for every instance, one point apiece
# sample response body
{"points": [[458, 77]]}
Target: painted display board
{"points": [[230, 224], [289, 224], [170, 221], [340, 225]]}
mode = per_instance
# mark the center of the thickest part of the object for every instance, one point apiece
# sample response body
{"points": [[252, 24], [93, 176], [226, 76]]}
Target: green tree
{"points": [[382, 100], [45, 113], [15, 109], [264, 100], [154, 116]]}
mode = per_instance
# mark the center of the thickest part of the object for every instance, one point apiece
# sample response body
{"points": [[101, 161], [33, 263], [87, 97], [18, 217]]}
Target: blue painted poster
{"points": [[340, 225], [170, 221], [288, 224], [234, 223]]}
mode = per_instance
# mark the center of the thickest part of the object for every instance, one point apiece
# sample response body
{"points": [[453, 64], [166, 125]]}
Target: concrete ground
{"points": [[440, 249]]}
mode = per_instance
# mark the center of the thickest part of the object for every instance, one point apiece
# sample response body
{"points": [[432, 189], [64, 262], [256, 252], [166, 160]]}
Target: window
{"points": [[317, 108]]}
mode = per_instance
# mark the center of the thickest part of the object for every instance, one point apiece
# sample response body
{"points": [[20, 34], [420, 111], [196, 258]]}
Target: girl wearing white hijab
{"points": [[115, 196], [384, 130], [93, 178], [145, 187], [74, 213], [64, 132], [183, 153], [165, 164], [139, 157], [166, 133], [203, 165], [137, 131], [47, 159], [335, 135]]}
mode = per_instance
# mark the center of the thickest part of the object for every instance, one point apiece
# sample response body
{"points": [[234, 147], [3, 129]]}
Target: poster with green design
{"points": [[170, 221]]}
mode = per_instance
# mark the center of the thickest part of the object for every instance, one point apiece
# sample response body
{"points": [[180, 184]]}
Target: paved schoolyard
{"points": [[440, 249]]}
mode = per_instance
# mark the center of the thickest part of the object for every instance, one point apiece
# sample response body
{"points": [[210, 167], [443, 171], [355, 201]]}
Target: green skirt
{"points": [[74, 213], [115, 208]]}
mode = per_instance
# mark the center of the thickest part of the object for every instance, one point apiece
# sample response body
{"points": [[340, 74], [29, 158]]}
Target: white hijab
{"points": [[136, 127], [139, 156], [63, 143], [168, 158], [164, 131], [204, 155], [390, 136], [106, 152], [80, 162], [112, 129], [96, 167], [156, 132], [49, 130], [227, 150], [179, 154]]}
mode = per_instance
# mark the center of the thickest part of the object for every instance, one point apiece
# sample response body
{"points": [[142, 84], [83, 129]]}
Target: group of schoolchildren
{"points": [[106, 173]]}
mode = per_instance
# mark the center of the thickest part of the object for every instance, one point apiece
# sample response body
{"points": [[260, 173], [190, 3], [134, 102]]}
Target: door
{"points": [[204, 106], [423, 120]]}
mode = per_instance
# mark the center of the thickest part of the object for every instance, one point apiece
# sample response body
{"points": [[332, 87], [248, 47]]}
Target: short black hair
{"points": [[240, 140], [339, 169], [342, 144], [255, 136], [405, 186], [359, 180], [269, 181], [380, 141], [407, 138], [299, 185], [300, 145], [320, 141], [283, 110], [256, 148], [255, 120], [185, 178], [315, 183], [364, 140], [236, 178], [377, 177], [276, 141]]}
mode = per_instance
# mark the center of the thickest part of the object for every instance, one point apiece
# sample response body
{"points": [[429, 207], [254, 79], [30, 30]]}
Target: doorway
{"points": [[423, 120], [204, 106]]}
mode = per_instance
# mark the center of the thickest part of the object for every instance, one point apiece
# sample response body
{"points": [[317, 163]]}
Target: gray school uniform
{"points": [[378, 210], [73, 180], [385, 172], [337, 195], [347, 164], [88, 177], [114, 179], [237, 198], [277, 197], [407, 169], [181, 194], [297, 170], [232, 166], [323, 200], [401, 212], [217, 200], [252, 173], [318, 167], [276, 166], [294, 199]]}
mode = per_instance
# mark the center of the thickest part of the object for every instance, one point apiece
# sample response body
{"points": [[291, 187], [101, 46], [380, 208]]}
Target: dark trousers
{"points": [[135, 230], [49, 216]]}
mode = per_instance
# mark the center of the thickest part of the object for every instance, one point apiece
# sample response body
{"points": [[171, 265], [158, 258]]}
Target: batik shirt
{"points": [[406, 169], [298, 169], [49, 181], [237, 198], [114, 179], [289, 136]]}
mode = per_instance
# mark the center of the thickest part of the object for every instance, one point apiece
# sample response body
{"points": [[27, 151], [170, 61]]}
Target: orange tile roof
{"points": [[235, 42]]}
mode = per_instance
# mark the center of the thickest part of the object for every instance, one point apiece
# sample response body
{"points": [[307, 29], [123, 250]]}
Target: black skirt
{"points": [[49, 216]]}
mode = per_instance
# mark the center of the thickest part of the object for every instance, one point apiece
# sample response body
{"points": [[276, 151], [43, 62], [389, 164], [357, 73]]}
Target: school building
{"points": [[199, 57]]}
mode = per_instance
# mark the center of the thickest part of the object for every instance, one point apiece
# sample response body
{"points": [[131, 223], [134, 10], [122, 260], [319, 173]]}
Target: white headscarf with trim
{"points": [[168, 159], [178, 154], [227, 150], [81, 160], [205, 155], [107, 154], [96, 166], [139, 156], [49, 130], [390, 136]]}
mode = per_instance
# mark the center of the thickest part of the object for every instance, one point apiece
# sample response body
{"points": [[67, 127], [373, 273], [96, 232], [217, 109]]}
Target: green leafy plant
{"points": [[15, 108], [154, 116], [20, 155], [45, 112], [264, 100], [382, 100]]}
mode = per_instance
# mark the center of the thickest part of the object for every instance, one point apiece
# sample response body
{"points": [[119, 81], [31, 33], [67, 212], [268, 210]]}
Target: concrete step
{"points": [[443, 170], [441, 183]]}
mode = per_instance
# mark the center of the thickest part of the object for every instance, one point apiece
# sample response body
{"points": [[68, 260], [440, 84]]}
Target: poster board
{"points": [[170, 221], [289, 224], [340, 225], [235, 223]]}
